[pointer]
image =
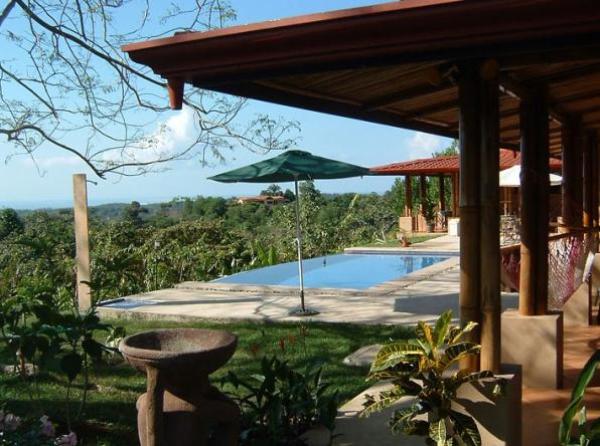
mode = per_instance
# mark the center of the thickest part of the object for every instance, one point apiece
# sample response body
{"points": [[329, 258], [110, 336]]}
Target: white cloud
{"points": [[174, 134], [422, 145]]}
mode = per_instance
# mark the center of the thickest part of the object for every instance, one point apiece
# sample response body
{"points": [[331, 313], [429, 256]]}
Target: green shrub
{"points": [[280, 403]]}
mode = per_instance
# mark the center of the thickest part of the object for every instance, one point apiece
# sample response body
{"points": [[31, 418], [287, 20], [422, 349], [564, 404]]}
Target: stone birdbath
{"points": [[180, 406]]}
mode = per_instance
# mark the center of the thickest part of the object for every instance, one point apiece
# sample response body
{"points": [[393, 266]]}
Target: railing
{"points": [[567, 254]]}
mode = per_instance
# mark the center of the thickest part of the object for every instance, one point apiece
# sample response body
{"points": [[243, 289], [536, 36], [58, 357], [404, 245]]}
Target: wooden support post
{"points": [[491, 308], [175, 87], [442, 187], [422, 198], [588, 181], [422, 191], [455, 195], [595, 179], [82, 244], [572, 172], [469, 93], [535, 188], [408, 205], [595, 189], [591, 190]]}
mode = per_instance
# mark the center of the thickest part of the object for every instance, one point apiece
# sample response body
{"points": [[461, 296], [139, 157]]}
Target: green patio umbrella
{"points": [[293, 165]]}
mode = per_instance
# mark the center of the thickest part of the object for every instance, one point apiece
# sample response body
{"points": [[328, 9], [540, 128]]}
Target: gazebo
{"points": [[493, 73], [442, 167]]}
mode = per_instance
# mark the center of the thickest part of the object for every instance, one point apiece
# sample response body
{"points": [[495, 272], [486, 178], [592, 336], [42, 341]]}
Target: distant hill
{"points": [[110, 211]]}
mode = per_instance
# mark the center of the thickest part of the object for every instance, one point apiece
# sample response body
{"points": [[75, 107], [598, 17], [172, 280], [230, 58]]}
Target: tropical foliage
{"points": [[281, 403], [423, 368], [588, 432], [142, 248]]}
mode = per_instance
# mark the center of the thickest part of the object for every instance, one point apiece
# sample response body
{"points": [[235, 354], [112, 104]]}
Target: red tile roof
{"points": [[450, 164]]}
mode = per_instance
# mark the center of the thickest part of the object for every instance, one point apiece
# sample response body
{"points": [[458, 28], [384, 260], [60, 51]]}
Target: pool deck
{"points": [[443, 245], [422, 295]]}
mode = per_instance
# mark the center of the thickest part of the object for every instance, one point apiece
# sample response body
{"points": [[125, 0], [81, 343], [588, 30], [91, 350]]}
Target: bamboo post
{"points": [[82, 244], [595, 188], [455, 195], [535, 187], [470, 204], [422, 196], [442, 186], [408, 205], [442, 200], [587, 180], [571, 173], [490, 224]]}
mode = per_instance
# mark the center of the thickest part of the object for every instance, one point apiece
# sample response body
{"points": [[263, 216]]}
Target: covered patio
{"points": [[522, 75], [446, 169]]}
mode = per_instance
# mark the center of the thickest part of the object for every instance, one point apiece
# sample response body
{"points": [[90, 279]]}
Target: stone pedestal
{"points": [[189, 421], [180, 406], [535, 343]]}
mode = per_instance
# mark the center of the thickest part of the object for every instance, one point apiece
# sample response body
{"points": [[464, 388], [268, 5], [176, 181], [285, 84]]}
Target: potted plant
{"points": [[404, 240], [422, 368], [429, 214]]}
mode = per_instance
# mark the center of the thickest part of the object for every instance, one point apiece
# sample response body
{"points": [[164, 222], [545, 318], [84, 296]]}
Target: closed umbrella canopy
{"points": [[512, 177], [293, 165]]}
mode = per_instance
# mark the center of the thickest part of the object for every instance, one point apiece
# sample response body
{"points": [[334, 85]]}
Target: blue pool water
{"points": [[357, 271]]}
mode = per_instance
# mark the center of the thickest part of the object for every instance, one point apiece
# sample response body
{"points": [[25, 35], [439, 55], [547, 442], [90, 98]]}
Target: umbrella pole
{"points": [[299, 246]]}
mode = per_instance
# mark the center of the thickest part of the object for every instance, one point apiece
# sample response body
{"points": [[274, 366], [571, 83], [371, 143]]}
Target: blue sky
{"points": [[22, 185]]}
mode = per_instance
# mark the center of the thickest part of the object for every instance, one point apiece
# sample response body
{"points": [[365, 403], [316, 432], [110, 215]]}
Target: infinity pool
{"points": [[356, 271]]}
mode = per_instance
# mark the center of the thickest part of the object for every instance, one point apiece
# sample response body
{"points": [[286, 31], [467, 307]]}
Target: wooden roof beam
{"points": [[523, 91], [332, 106], [566, 75], [438, 79], [403, 95]]}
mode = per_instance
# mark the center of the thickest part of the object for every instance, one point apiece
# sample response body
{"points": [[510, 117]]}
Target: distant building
{"points": [[264, 199]]}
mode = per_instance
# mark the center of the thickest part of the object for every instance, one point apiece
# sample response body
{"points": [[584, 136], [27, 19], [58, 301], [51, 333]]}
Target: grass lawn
{"points": [[110, 415], [414, 238]]}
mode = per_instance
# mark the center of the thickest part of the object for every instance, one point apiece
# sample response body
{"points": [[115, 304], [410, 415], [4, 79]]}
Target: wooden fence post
{"points": [[82, 244]]}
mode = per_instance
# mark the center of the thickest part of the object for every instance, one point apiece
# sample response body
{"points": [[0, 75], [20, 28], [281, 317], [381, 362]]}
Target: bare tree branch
{"points": [[6, 11], [65, 84]]}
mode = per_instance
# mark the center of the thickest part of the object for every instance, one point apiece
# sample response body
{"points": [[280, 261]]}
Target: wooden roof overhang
{"points": [[396, 63], [448, 165]]}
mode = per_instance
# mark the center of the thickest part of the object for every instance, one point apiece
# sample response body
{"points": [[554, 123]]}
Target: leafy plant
{"points": [[36, 332], [263, 256], [280, 403], [428, 209], [589, 431], [422, 368]]}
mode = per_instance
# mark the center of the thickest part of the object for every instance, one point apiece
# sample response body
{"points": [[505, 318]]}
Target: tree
{"points": [[289, 195], [397, 195], [132, 213], [66, 84], [10, 223], [452, 149], [273, 190]]}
